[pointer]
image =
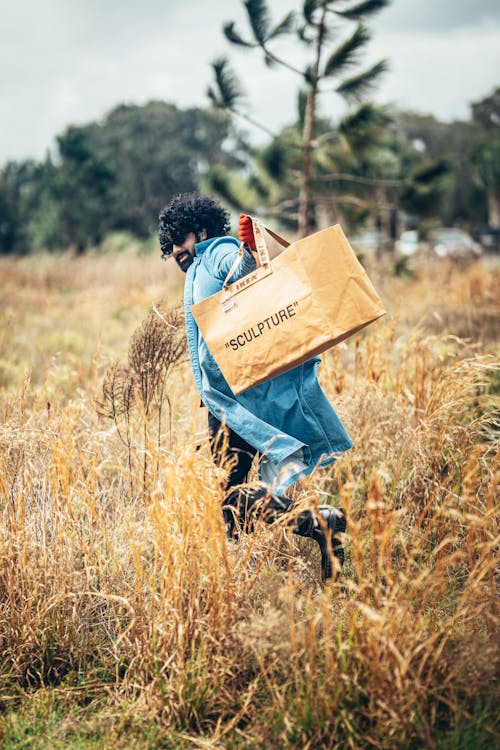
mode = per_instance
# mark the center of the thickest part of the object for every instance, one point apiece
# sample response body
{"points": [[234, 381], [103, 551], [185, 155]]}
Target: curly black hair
{"points": [[190, 212]]}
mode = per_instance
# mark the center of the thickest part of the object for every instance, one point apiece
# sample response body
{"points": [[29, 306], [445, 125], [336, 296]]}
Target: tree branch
{"points": [[342, 176], [284, 63], [255, 123], [330, 136]]}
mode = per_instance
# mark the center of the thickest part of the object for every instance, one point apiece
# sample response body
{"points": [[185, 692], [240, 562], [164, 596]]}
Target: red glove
{"points": [[245, 231]]}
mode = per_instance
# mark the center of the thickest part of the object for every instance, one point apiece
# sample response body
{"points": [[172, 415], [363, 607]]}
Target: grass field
{"points": [[128, 621]]}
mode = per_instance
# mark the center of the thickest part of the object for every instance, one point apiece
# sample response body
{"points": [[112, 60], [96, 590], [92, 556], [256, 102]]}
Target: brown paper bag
{"points": [[312, 296]]}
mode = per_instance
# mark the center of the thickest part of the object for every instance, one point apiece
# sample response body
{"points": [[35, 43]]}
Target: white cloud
{"points": [[438, 73], [71, 61]]}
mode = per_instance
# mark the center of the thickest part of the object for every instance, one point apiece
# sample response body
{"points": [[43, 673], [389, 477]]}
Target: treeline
{"points": [[381, 167], [108, 176]]}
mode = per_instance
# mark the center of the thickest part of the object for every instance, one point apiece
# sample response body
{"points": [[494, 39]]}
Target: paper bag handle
{"points": [[277, 237], [262, 252], [263, 269]]}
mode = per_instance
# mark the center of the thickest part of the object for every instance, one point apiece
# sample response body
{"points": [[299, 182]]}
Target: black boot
{"points": [[333, 522]]}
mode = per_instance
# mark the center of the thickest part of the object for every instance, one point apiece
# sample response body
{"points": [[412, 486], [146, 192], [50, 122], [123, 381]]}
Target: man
{"points": [[287, 421]]}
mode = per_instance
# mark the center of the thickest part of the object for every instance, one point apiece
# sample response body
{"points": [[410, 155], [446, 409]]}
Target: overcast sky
{"points": [[71, 61]]}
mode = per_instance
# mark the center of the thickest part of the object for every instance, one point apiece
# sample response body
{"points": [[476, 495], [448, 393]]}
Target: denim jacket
{"points": [[288, 419]]}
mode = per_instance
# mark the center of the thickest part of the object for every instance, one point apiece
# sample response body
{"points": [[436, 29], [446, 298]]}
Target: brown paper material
{"points": [[311, 297]]}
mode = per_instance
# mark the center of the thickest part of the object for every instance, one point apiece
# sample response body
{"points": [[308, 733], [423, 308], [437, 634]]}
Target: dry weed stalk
{"points": [[116, 403], [138, 390]]}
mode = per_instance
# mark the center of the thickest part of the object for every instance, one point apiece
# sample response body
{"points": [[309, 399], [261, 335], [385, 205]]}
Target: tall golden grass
{"points": [[125, 613]]}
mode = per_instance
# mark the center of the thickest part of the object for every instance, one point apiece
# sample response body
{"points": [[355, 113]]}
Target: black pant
{"points": [[244, 504]]}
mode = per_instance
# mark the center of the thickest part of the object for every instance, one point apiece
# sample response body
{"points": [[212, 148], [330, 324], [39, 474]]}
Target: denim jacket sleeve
{"points": [[220, 256]]}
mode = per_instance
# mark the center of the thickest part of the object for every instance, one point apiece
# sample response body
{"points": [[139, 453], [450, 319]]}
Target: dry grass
{"points": [[125, 614]]}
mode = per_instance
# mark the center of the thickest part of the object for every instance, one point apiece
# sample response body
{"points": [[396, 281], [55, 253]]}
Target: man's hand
{"points": [[245, 231]]}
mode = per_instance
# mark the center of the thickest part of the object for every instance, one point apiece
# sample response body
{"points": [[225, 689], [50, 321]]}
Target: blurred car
{"points": [[449, 242], [368, 242], [488, 237], [408, 243]]}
